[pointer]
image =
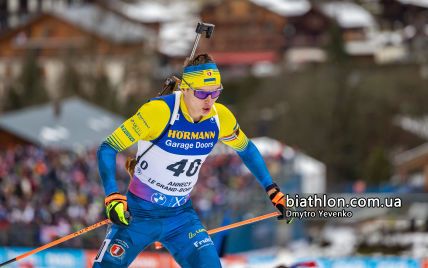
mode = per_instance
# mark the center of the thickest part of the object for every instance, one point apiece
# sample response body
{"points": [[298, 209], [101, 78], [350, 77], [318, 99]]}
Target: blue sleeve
{"points": [[255, 163], [107, 167]]}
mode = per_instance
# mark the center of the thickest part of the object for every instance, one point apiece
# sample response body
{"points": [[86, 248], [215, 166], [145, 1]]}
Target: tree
{"points": [[377, 167], [28, 88], [70, 80], [103, 93], [340, 112]]}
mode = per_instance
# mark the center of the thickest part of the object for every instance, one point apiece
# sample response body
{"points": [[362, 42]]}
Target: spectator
{"points": [[53, 192]]}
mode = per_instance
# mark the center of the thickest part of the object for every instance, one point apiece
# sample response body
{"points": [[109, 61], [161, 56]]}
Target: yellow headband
{"points": [[201, 75]]}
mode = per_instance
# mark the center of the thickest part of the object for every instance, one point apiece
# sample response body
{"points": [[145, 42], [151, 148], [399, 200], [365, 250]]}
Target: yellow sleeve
{"points": [[230, 133], [147, 124]]}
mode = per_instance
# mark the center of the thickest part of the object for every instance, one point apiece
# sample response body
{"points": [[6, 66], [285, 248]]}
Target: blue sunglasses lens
{"points": [[200, 94], [215, 94]]}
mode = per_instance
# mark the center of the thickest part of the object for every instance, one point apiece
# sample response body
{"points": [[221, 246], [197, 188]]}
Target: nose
{"points": [[209, 99]]}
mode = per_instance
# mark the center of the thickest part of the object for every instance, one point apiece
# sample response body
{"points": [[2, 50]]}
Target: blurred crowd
{"points": [[225, 185], [46, 194]]}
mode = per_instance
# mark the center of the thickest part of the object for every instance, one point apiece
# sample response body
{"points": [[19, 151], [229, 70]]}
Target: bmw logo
{"points": [[158, 198]]}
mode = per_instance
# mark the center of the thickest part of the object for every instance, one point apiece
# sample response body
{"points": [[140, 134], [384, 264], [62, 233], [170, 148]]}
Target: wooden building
{"points": [[16, 12], [399, 13], [251, 31], [245, 33], [78, 28], [89, 36]]}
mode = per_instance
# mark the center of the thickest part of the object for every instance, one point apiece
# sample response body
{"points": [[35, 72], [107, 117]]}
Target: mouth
{"points": [[206, 109]]}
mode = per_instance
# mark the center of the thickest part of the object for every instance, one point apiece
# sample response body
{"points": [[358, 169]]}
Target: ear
{"points": [[184, 90]]}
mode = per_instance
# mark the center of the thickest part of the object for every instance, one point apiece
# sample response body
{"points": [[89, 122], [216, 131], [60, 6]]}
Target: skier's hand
{"points": [[117, 209], [130, 166], [278, 200]]}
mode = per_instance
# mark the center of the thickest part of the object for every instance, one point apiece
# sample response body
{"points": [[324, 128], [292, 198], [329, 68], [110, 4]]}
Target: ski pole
{"points": [[201, 28], [241, 223], [157, 244], [58, 241]]}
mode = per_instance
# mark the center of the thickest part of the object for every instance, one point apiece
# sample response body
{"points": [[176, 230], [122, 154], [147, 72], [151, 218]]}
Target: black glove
{"points": [[117, 209], [278, 200]]}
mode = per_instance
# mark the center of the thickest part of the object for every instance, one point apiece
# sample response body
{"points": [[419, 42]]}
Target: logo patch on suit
{"points": [[203, 243], [138, 171], [116, 250], [158, 198]]}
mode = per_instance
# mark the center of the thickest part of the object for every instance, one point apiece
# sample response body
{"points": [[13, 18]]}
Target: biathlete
{"points": [[181, 129]]}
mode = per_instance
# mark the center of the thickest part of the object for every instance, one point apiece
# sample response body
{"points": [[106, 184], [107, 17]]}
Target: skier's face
{"points": [[200, 101]]}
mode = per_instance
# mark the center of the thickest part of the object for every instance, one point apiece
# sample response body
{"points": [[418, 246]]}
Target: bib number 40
{"points": [[181, 167]]}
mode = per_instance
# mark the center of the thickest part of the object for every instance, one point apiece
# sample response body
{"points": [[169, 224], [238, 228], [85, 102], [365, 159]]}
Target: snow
{"points": [[349, 15], [364, 47], [417, 126], [313, 173], [177, 19], [420, 3], [176, 38], [285, 7], [104, 23], [268, 146], [148, 12]]}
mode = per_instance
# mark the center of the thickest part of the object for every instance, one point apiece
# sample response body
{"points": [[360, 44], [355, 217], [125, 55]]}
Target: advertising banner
{"points": [[64, 258], [144, 260], [369, 262]]}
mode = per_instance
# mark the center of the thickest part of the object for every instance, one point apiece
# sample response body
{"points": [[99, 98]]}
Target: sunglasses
{"points": [[202, 94]]}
